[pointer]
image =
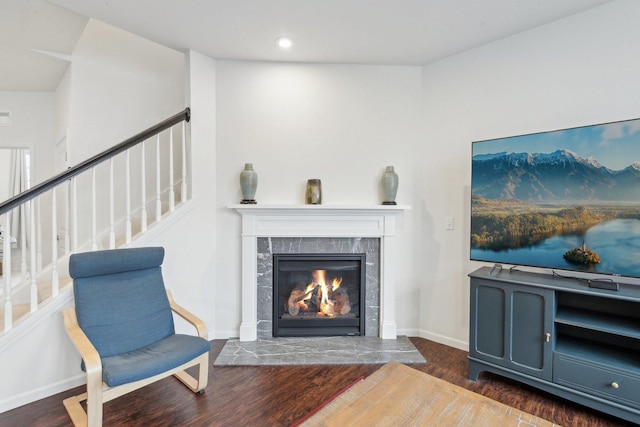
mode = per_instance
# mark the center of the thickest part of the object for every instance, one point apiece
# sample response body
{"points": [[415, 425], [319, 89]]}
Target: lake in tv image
{"points": [[566, 199]]}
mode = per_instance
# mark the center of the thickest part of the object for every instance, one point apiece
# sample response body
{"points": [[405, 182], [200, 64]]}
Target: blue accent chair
{"points": [[122, 326]]}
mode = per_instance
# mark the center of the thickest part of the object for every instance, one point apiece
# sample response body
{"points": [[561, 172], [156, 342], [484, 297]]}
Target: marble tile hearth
{"points": [[318, 351]]}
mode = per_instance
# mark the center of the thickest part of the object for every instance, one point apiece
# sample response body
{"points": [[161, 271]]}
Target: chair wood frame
{"points": [[99, 393]]}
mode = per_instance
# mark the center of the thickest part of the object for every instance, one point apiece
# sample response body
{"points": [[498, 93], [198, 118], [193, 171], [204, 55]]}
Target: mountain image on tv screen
{"points": [[566, 199]]}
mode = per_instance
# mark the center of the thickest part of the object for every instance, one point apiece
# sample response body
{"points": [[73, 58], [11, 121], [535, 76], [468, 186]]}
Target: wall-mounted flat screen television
{"points": [[566, 199]]}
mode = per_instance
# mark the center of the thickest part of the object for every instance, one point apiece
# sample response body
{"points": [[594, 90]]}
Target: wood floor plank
{"points": [[280, 395]]}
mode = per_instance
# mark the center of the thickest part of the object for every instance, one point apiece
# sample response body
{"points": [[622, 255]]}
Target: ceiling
{"points": [[28, 25], [394, 32]]}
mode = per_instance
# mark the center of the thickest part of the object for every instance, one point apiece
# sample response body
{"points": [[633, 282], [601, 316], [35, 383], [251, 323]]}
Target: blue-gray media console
{"points": [[566, 336]]}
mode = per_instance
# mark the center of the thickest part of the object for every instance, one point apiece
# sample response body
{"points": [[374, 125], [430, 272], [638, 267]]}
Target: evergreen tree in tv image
{"points": [[566, 199]]}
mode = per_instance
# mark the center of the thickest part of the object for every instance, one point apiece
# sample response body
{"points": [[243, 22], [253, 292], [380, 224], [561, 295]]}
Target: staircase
{"points": [[111, 200]]}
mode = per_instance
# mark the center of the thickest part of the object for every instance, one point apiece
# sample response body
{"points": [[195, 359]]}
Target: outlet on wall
{"points": [[448, 223]]}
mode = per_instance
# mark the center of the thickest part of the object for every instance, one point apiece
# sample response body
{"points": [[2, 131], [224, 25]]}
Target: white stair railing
{"points": [[54, 245], [112, 225], [74, 214], [158, 184], [6, 271], [143, 177], [94, 212], [172, 196], [40, 278], [183, 186], [127, 189], [32, 260]]}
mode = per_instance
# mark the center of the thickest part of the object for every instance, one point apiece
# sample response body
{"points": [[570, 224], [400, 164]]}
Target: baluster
{"points": [[112, 231], [128, 197], [32, 250], [158, 200], [54, 244], [67, 218], [23, 243], [38, 237], [94, 225], [172, 201], [74, 214], [143, 213], [6, 271], [183, 189]]}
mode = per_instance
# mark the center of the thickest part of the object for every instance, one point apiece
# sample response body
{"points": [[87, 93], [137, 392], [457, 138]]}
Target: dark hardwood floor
{"points": [[278, 396]]}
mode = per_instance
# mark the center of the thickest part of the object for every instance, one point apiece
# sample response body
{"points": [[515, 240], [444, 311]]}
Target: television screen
{"points": [[566, 199]]}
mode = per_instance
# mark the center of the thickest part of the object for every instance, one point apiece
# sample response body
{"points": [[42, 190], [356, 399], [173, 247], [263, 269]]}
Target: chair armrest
{"points": [[88, 352], [200, 326]]}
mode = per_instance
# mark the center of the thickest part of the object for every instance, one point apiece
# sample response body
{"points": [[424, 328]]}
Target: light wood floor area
{"points": [[279, 395]]}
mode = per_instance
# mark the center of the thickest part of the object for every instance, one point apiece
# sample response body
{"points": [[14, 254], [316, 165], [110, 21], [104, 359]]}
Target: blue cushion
{"points": [[98, 263], [153, 359], [121, 301]]}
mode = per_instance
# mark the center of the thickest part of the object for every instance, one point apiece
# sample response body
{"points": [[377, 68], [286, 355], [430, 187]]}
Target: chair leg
{"points": [[94, 399], [94, 410], [203, 372], [80, 418], [74, 409], [203, 375], [93, 416]]}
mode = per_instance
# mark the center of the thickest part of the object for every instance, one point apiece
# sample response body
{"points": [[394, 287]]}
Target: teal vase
{"points": [[389, 186], [248, 184]]}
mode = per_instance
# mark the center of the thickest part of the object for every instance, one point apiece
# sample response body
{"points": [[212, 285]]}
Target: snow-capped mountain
{"points": [[552, 177]]}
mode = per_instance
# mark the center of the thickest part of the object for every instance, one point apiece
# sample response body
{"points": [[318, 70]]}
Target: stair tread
{"points": [[17, 311]]}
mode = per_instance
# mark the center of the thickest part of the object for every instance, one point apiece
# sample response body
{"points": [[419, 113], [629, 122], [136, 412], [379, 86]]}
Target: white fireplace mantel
{"points": [[318, 221]]}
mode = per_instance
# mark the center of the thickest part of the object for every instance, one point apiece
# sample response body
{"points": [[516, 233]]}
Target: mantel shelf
{"points": [[325, 209]]}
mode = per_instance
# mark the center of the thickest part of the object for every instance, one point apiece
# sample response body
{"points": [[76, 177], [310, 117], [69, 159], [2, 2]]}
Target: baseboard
{"points": [[441, 339], [409, 332], [223, 335], [41, 393]]}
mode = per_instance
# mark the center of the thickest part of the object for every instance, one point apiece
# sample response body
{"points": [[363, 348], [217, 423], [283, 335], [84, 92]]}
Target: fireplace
{"points": [[296, 229], [318, 294]]}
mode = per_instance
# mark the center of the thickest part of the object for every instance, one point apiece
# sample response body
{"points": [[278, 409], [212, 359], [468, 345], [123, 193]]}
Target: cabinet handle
{"points": [[548, 336], [615, 384]]}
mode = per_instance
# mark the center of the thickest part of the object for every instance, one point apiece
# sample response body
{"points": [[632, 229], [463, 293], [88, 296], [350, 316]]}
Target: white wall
{"points": [[121, 84], [63, 119], [33, 115], [577, 71], [340, 123]]}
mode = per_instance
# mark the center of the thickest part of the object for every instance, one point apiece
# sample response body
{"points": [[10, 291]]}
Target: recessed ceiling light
{"points": [[284, 42]]}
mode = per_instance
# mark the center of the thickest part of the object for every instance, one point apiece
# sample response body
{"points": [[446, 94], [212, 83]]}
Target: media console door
{"points": [[511, 327]]}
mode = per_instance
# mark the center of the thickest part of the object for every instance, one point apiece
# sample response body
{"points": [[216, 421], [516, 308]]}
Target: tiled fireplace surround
{"points": [[317, 229], [267, 246]]}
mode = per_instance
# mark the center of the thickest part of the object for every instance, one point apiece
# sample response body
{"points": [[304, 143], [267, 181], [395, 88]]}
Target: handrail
{"points": [[93, 161]]}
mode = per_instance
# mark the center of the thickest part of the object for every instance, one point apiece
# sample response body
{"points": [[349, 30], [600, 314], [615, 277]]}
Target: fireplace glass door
{"points": [[318, 294]]}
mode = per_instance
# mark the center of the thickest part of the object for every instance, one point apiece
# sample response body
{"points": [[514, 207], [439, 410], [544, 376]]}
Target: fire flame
{"points": [[326, 305], [335, 283], [299, 301], [303, 303]]}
